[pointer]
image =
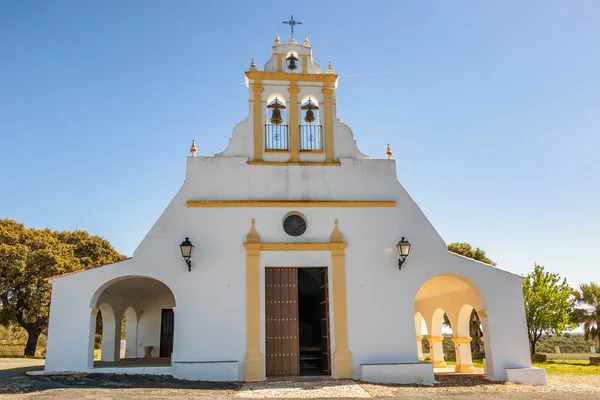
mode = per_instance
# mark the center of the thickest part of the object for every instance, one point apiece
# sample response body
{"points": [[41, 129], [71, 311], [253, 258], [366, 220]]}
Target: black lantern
{"points": [[186, 251], [403, 250]]}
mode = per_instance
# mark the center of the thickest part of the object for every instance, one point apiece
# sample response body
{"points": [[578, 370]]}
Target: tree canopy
{"points": [[465, 249], [588, 296], [548, 304], [27, 257]]}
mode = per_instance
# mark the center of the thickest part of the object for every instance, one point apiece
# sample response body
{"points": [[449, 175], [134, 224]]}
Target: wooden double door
{"points": [[167, 328], [297, 322]]}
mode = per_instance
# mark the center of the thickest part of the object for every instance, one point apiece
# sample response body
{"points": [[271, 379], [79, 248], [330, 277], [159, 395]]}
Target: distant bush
{"points": [[568, 343], [538, 358]]}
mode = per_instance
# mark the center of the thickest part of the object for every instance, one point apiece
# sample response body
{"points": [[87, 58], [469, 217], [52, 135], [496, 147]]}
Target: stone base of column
{"points": [[465, 368], [342, 365], [254, 367], [439, 364]]}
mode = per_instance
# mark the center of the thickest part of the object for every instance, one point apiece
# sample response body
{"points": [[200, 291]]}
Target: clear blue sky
{"points": [[492, 110]]}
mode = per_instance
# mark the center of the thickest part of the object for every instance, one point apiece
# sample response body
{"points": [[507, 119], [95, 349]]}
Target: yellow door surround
{"points": [[254, 365]]}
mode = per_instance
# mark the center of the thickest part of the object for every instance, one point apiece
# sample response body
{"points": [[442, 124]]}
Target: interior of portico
{"points": [[457, 298], [145, 306]]}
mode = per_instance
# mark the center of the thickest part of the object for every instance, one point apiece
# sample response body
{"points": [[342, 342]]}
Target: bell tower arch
{"points": [[292, 112]]}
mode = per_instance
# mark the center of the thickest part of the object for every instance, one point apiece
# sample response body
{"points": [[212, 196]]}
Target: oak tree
{"points": [[27, 257]]}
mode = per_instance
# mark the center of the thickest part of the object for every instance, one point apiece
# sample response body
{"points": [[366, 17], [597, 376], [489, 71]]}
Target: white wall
{"points": [[210, 316]]}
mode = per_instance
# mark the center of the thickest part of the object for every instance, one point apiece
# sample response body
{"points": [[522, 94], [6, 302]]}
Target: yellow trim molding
{"points": [[254, 365], [296, 164], [291, 203], [435, 339], [284, 76]]}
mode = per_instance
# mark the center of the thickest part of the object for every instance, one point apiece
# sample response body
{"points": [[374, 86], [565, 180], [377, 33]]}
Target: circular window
{"points": [[294, 224]]}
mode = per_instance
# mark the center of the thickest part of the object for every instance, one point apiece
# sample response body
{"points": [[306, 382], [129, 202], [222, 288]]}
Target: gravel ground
{"points": [[14, 384], [302, 390]]}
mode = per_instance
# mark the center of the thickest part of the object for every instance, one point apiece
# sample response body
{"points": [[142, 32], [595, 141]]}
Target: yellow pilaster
{"points": [[293, 129], [328, 116], [305, 64], [279, 62], [257, 90], [342, 361], [254, 360]]}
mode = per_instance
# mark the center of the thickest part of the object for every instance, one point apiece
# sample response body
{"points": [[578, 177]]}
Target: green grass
{"points": [[557, 367], [569, 367]]}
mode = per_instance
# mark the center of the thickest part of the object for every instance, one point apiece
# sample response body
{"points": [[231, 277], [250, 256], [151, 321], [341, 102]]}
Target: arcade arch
{"points": [[147, 305]]}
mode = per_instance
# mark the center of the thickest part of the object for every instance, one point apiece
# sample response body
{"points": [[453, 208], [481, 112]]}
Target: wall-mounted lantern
{"points": [[403, 250], [186, 251]]}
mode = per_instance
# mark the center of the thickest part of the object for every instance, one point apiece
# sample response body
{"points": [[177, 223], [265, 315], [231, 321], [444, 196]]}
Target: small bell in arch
{"points": [[309, 106], [292, 62], [276, 106]]}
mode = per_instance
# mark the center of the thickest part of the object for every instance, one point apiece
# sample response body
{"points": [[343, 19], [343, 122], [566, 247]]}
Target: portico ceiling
{"points": [[440, 285], [137, 288]]}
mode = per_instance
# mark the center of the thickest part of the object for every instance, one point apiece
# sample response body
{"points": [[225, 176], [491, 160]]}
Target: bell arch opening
{"points": [[310, 129], [137, 323], [448, 304], [276, 128]]}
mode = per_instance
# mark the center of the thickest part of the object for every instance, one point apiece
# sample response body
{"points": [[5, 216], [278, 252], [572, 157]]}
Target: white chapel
{"points": [[290, 253]]}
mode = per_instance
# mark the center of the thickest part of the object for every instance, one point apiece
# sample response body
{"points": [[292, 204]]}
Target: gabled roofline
{"points": [[486, 264], [82, 270]]}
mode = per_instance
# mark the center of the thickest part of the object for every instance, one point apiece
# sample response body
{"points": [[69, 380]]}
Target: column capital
{"points": [[294, 90], [419, 339], [327, 91], [461, 340], [257, 88], [434, 339]]}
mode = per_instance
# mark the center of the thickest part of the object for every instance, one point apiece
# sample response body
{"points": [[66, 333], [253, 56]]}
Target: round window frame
{"points": [[298, 214]]}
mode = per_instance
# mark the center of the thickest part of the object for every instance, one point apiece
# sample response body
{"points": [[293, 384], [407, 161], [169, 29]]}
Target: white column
{"points": [[92, 337], [487, 344], [131, 329], [464, 360], [437, 352], [111, 333]]}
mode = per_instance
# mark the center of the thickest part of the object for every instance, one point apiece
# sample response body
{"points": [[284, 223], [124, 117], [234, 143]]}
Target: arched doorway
{"points": [[145, 305], [457, 298]]}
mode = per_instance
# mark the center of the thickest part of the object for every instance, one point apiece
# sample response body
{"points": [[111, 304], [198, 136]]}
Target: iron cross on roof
{"points": [[292, 23]]}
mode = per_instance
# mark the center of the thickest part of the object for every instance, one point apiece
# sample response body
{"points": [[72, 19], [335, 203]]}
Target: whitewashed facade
{"points": [[355, 212]]}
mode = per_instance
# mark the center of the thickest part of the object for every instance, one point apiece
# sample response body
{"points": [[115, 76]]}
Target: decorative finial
{"points": [[193, 149], [277, 40], [336, 235], [306, 42], [388, 152], [253, 236], [253, 64], [330, 68]]}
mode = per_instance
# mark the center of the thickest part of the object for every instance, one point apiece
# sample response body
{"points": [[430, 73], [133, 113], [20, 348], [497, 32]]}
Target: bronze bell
{"points": [[276, 117], [309, 118], [292, 62], [309, 106]]}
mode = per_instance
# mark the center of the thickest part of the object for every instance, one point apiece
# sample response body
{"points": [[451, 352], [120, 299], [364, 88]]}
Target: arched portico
{"points": [[456, 297], [147, 305]]}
